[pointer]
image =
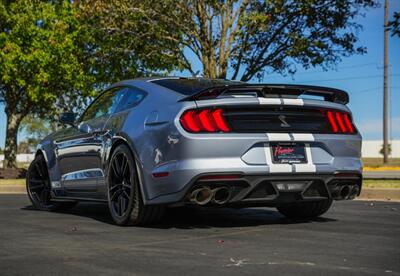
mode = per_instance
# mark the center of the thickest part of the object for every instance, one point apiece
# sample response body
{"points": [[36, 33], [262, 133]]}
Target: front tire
{"points": [[38, 187], [305, 210], [124, 195]]}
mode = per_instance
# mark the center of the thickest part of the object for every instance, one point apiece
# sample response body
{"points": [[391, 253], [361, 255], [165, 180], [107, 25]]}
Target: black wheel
{"points": [[124, 196], [38, 187], [305, 209]]}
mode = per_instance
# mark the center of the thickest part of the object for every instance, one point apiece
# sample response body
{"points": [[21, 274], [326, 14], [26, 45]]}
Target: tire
{"points": [[305, 210], [124, 195], [38, 187]]}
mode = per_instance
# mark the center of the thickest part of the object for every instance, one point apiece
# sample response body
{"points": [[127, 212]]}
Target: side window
{"points": [[132, 98], [106, 104]]}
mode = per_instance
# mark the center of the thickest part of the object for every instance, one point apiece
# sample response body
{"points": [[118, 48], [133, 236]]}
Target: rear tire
{"points": [[38, 187], [304, 210], [124, 195]]}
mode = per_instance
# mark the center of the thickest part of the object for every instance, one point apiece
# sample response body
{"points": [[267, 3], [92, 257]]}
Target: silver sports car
{"points": [[147, 144]]}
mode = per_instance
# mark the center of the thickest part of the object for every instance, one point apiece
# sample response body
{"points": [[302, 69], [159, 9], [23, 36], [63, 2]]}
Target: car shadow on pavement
{"points": [[191, 218]]}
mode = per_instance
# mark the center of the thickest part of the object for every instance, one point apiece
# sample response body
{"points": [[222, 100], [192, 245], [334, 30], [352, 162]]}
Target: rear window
{"points": [[190, 87]]}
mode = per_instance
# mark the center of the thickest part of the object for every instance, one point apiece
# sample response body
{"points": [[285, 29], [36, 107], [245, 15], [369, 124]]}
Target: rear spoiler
{"points": [[272, 91]]}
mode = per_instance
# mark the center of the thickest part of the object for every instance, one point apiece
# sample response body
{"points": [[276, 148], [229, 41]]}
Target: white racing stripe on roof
{"points": [[275, 168], [309, 167], [269, 101], [293, 102]]}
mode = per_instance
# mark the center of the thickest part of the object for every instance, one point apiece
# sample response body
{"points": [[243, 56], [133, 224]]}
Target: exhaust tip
{"points": [[354, 191], [201, 196], [221, 195], [345, 192]]}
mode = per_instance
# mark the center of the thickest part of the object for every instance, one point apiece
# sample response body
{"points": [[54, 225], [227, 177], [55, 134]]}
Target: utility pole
{"points": [[385, 86]]}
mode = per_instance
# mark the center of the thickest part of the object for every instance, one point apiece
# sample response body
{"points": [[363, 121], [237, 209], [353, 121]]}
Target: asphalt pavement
{"points": [[353, 238]]}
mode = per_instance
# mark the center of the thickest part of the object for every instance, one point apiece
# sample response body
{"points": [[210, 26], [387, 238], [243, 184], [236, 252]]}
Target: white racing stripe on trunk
{"points": [[275, 168], [280, 137], [303, 137], [293, 102], [309, 167], [269, 101]]}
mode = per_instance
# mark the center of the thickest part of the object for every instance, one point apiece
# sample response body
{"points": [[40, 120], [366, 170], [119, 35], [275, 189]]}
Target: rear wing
{"points": [[272, 91]]}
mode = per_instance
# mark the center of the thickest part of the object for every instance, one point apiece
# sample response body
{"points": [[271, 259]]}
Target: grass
{"points": [[12, 181], [392, 184], [378, 162]]}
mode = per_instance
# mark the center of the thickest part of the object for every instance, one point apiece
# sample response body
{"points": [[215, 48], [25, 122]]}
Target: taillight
{"points": [[339, 122], [204, 120]]}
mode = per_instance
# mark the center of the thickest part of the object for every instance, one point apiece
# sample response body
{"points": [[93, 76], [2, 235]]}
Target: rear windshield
{"points": [[190, 87]]}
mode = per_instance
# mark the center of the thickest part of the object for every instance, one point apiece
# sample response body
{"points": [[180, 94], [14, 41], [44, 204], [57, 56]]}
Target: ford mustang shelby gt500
{"points": [[146, 144]]}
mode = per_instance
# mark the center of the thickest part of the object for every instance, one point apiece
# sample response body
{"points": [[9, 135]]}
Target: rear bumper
{"points": [[270, 189]]}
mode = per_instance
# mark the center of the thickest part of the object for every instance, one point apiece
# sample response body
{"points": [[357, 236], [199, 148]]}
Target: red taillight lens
{"points": [[220, 121], [188, 121], [340, 122], [348, 123], [204, 120]]}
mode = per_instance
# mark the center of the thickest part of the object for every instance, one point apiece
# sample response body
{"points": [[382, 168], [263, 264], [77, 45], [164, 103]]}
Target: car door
{"points": [[79, 155], [131, 98]]}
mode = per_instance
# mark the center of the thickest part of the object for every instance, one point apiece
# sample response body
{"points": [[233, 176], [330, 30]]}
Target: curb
{"points": [[366, 193]]}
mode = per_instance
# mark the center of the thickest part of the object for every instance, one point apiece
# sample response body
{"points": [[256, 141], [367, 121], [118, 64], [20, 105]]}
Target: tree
{"points": [[24, 147], [54, 57], [35, 129], [127, 38], [40, 62], [394, 25], [389, 149], [245, 39]]}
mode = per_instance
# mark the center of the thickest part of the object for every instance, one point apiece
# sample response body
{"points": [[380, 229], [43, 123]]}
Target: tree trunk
{"points": [[10, 150]]}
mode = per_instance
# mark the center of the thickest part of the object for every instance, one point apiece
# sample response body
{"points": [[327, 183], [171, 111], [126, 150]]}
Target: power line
{"points": [[352, 78], [336, 69], [374, 89]]}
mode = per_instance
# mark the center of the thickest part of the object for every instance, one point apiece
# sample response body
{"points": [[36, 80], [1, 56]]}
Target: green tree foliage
{"points": [[389, 149], [54, 54], [41, 65], [34, 129], [243, 39], [128, 38], [394, 25]]}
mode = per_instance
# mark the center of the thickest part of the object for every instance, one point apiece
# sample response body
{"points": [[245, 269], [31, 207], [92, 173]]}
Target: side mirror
{"points": [[67, 118]]}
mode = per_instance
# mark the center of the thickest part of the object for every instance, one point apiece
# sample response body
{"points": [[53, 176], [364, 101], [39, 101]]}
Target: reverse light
{"points": [[204, 120]]}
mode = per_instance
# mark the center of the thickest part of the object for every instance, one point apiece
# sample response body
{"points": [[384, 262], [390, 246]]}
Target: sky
{"points": [[360, 75]]}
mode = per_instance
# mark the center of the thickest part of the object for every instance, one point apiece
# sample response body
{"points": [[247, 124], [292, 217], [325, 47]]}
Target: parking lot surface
{"points": [[353, 238]]}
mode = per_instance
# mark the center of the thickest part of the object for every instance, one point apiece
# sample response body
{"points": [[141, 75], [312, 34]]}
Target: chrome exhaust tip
{"points": [[221, 195], [201, 196]]}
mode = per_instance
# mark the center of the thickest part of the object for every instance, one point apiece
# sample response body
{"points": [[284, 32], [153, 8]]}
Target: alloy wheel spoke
{"points": [[115, 195], [124, 166], [116, 186], [116, 168], [36, 184], [39, 170], [120, 186]]}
